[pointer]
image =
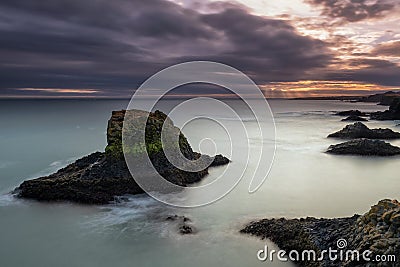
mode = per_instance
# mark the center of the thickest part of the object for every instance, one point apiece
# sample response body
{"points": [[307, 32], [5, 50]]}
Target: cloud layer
{"points": [[354, 10], [111, 47]]}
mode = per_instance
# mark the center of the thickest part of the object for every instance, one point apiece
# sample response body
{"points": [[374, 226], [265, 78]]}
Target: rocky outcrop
{"points": [[360, 130], [354, 118], [99, 177], [393, 113], [384, 99], [351, 113], [377, 231], [364, 147]]}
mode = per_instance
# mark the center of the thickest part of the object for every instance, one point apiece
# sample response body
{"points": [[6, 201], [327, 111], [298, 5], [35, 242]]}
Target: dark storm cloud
{"points": [[115, 45], [265, 47], [354, 10], [377, 71]]}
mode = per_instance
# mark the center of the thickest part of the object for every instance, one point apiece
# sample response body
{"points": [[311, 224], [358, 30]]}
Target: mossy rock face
{"points": [[99, 177], [133, 130]]}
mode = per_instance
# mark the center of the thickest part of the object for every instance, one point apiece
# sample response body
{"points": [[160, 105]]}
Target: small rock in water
{"points": [[185, 229], [360, 130], [182, 224]]}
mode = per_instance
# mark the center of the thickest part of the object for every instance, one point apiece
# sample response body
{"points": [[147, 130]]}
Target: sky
{"points": [[290, 48]]}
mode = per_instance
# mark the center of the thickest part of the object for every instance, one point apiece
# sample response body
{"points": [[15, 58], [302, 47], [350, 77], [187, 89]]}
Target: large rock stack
{"points": [[99, 177]]}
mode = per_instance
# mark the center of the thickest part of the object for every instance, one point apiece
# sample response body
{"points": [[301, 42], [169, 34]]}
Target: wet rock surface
{"points": [[360, 130], [378, 231], [99, 177], [364, 147]]}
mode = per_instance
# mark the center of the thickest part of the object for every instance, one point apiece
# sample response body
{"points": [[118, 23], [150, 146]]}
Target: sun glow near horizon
{"points": [[312, 88]]}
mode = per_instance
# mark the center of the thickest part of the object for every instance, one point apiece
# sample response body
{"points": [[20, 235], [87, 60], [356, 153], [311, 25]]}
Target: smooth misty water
{"points": [[39, 137]]}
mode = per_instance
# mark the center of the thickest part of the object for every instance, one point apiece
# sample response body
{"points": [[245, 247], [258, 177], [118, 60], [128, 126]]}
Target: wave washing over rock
{"points": [[377, 231], [99, 177]]}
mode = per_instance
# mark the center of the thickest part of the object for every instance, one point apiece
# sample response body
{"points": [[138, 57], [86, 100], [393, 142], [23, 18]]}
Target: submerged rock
{"points": [[99, 177], [378, 231], [351, 113], [360, 130], [364, 147], [183, 224], [354, 118]]}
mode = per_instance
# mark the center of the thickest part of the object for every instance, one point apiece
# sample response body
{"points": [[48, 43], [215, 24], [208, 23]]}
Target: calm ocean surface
{"points": [[37, 137]]}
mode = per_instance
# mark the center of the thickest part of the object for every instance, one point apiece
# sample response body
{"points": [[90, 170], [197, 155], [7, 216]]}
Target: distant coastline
{"points": [[384, 99]]}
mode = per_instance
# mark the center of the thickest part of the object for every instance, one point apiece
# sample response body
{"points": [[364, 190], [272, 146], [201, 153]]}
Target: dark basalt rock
{"points": [[351, 113], [378, 231], [364, 147], [360, 130], [354, 118], [99, 177], [393, 113]]}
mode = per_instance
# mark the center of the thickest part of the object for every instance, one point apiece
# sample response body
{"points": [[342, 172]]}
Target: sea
{"points": [[38, 137]]}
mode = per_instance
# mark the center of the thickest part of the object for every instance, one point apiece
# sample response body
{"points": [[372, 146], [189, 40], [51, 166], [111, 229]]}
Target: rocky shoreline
{"points": [[377, 231], [101, 176]]}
